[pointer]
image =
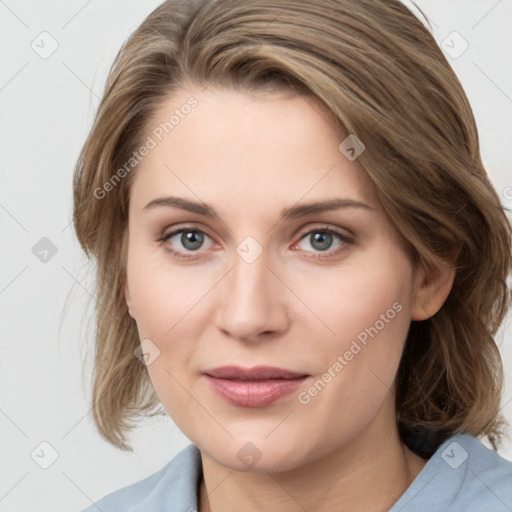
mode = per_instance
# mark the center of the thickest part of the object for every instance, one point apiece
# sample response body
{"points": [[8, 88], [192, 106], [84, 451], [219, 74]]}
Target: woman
{"points": [[301, 257]]}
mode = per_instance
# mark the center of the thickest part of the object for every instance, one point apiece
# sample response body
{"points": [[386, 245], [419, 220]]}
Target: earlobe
{"points": [[432, 289], [128, 300]]}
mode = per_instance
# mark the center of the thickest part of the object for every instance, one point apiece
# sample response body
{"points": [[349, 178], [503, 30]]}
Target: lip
{"points": [[258, 386]]}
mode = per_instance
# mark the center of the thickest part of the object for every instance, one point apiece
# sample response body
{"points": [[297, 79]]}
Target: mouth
{"points": [[253, 387]]}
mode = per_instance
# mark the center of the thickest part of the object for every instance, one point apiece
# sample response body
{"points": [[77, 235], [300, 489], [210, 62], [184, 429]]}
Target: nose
{"points": [[251, 301]]}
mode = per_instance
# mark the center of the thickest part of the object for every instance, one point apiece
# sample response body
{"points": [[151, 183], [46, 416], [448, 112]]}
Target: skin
{"points": [[250, 155]]}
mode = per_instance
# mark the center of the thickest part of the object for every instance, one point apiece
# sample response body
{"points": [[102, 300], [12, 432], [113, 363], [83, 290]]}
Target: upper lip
{"points": [[254, 373]]}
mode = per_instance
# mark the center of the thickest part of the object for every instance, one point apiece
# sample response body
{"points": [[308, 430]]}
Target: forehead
{"points": [[244, 148]]}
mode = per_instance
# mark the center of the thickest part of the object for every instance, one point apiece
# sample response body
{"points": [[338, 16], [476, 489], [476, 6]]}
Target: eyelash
{"points": [[346, 240]]}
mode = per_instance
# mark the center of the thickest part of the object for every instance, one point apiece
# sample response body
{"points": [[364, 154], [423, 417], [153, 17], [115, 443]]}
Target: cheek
{"points": [[370, 296], [366, 308], [167, 305], [168, 302], [164, 295]]}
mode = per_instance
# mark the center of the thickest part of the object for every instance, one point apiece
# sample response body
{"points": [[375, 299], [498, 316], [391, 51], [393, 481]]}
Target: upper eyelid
{"points": [[304, 231], [177, 229]]}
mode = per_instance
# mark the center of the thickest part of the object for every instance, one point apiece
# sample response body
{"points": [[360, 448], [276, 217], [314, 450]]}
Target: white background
{"points": [[46, 110]]}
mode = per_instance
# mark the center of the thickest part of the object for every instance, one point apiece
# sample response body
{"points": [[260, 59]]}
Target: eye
{"points": [[185, 240], [325, 240], [321, 242]]}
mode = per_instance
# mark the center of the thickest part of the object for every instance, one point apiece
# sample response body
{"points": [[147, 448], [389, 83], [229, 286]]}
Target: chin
{"points": [[256, 454]]}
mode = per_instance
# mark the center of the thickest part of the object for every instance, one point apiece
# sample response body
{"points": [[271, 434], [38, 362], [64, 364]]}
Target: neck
{"points": [[370, 472]]}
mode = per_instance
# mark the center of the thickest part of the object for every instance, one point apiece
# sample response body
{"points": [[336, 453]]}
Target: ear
{"points": [[431, 290], [128, 300]]}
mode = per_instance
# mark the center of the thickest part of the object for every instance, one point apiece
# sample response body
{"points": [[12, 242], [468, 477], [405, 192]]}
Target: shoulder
{"points": [[463, 474], [175, 484], [487, 479]]}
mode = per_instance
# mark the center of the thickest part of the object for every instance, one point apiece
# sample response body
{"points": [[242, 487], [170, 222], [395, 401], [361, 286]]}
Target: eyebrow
{"points": [[287, 213]]}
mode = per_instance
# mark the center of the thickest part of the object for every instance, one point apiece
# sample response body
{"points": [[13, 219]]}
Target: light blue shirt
{"points": [[463, 475]]}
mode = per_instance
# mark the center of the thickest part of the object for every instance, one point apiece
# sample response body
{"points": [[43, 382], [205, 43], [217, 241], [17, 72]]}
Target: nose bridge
{"points": [[251, 301], [249, 279]]}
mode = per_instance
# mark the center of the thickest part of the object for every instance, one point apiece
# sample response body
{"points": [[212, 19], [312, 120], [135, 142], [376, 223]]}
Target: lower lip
{"points": [[254, 393]]}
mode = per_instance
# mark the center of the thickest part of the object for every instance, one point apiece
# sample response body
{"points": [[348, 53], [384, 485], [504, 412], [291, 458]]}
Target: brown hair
{"points": [[379, 71]]}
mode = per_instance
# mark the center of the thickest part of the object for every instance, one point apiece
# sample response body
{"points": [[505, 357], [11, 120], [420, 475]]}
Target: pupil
{"points": [[191, 240], [321, 241]]}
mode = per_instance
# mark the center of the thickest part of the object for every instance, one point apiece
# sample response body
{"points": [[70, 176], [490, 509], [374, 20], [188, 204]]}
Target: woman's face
{"points": [[255, 242]]}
